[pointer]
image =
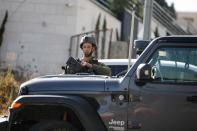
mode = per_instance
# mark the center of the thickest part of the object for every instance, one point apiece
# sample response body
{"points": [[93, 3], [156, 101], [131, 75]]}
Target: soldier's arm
{"points": [[101, 69]]}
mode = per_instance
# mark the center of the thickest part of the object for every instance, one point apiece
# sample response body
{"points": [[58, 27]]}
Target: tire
{"points": [[53, 126]]}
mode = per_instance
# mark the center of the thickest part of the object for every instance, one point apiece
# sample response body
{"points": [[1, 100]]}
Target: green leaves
{"points": [[118, 6]]}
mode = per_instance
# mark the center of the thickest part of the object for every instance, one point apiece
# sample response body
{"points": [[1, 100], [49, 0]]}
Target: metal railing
{"points": [[167, 20]]}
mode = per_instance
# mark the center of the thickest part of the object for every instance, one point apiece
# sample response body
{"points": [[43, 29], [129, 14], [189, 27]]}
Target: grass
{"points": [[8, 90]]}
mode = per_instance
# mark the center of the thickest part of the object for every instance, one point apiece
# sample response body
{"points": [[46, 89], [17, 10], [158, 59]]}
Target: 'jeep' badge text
{"points": [[116, 125]]}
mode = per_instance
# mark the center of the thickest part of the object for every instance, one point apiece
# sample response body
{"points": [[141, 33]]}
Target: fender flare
{"points": [[84, 111]]}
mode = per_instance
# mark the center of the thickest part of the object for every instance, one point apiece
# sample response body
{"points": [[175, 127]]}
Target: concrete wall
{"points": [[161, 29], [188, 20], [119, 50], [37, 33], [154, 24], [87, 16]]}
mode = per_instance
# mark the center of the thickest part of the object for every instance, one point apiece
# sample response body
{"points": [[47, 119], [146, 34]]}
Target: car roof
{"points": [[116, 61]]}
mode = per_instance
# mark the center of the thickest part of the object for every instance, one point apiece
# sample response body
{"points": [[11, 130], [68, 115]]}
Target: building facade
{"points": [[37, 32], [188, 20]]}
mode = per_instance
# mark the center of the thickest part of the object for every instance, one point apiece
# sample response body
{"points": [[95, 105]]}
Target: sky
{"points": [[184, 5]]}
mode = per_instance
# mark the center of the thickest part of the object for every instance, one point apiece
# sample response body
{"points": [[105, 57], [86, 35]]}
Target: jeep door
{"points": [[169, 101]]}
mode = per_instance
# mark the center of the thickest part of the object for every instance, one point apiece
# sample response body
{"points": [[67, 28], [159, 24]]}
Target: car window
{"points": [[175, 65]]}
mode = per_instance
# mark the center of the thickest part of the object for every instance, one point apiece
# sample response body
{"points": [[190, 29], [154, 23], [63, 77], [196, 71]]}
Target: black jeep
{"points": [[158, 93]]}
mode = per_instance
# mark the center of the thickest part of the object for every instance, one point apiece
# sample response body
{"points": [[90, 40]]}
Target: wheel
{"points": [[53, 126]]}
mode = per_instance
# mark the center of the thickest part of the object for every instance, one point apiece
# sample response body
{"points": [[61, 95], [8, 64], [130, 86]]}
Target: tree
{"points": [[103, 38], [162, 3], [156, 32], [118, 6], [170, 9], [97, 32], [98, 22], [2, 28]]}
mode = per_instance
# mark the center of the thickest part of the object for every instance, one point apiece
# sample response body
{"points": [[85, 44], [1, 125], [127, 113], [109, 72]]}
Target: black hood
{"points": [[61, 83]]}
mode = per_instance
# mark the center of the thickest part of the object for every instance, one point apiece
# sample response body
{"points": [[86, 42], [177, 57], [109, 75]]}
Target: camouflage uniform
{"points": [[97, 68]]}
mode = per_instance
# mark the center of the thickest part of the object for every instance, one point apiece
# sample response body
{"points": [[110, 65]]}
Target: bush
{"points": [[8, 89]]}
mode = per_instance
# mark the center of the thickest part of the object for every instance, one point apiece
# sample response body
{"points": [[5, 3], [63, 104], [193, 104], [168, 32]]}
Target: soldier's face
{"points": [[87, 49]]}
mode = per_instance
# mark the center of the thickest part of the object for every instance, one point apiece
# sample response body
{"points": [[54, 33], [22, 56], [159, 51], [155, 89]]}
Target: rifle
{"points": [[73, 65]]}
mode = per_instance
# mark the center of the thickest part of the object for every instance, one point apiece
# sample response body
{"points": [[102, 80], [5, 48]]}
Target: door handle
{"points": [[135, 98], [192, 99], [134, 125]]}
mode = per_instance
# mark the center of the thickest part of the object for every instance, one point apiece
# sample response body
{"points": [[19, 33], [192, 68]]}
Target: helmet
{"points": [[88, 39]]}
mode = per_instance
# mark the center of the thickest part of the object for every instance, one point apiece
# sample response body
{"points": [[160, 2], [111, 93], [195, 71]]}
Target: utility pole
{"points": [[147, 19], [131, 38]]}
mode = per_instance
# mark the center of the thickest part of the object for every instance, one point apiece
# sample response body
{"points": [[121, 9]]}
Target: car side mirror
{"points": [[143, 73]]}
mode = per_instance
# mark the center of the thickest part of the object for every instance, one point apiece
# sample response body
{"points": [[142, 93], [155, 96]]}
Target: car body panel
{"points": [[125, 104]]}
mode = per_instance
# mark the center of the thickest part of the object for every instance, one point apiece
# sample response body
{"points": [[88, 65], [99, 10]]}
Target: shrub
{"points": [[8, 89]]}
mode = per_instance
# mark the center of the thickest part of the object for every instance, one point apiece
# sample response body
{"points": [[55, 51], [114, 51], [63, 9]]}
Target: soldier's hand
{"points": [[86, 64]]}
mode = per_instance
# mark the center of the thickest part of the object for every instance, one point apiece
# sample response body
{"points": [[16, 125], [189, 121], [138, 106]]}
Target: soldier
{"points": [[88, 63]]}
